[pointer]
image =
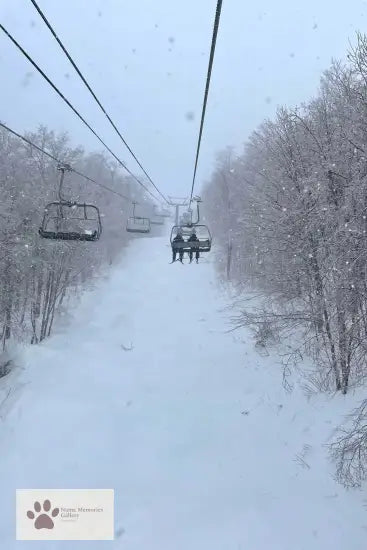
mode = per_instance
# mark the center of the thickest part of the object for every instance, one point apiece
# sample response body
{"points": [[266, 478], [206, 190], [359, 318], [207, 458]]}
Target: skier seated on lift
{"points": [[193, 239], [178, 239]]}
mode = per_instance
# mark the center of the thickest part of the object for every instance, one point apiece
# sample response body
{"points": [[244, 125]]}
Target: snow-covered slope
{"points": [[191, 427]]}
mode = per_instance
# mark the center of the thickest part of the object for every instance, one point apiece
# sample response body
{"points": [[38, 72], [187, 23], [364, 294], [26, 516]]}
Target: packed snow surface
{"points": [[145, 391]]}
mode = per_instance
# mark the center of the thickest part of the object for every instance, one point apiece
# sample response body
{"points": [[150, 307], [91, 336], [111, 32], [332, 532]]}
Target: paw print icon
{"points": [[43, 515]]}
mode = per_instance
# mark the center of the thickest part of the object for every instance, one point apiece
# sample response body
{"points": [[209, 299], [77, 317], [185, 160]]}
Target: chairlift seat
{"points": [[137, 224], [200, 245], [68, 236], [60, 219], [165, 214], [203, 244], [157, 221]]}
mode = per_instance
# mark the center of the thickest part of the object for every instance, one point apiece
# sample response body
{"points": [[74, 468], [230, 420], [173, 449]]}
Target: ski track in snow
{"points": [[190, 427]]}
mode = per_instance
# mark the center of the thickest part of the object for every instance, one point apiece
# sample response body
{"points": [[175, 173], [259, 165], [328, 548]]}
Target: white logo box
{"points": [[65, 514]]}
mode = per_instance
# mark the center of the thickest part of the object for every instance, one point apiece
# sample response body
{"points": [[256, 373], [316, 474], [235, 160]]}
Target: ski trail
{"points": [[147, 394]]}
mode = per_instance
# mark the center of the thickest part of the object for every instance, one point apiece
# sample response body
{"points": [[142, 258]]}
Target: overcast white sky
{"points": [[147, 61]]}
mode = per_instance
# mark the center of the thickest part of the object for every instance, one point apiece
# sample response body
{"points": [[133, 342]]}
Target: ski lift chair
{"points": [[137, 224], [157, 220], [65, 220], [203, 234], [164, 213]]}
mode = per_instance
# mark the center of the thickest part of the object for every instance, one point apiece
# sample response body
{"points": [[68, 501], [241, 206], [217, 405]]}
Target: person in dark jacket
{"points": [[193, 239], [178, 239]]}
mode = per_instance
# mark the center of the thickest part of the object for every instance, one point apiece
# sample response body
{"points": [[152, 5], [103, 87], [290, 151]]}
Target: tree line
{"points": [[289, 216], [38, 276]]}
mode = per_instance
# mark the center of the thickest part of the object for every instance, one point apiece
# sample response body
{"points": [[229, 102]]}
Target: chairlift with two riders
{"points": [[187, 228]]}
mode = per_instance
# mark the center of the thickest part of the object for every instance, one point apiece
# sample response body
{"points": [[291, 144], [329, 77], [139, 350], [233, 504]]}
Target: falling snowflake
{"points": [[190, 115], [27, 79]]}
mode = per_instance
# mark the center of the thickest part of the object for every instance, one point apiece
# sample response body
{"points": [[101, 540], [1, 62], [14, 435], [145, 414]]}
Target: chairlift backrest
{"points": [[157, 220], [71, 222], [138, 225]]}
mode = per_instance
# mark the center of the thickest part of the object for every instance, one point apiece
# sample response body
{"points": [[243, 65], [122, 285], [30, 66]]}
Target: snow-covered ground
{"points": [[191, 427]]}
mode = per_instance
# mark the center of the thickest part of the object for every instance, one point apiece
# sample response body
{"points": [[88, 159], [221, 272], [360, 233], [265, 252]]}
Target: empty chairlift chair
{"points": [[165, 213], [137, 224], [157, 218], [156, 221], [65, 220]]}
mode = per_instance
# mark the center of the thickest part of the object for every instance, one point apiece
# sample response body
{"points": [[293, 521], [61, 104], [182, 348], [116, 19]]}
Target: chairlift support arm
{"points": [[62, 168]]}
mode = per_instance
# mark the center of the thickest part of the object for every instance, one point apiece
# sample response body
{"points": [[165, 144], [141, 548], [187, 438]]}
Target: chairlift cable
{"points": [[73, 108], [47, 23], [58, 161], [207, 86]]}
